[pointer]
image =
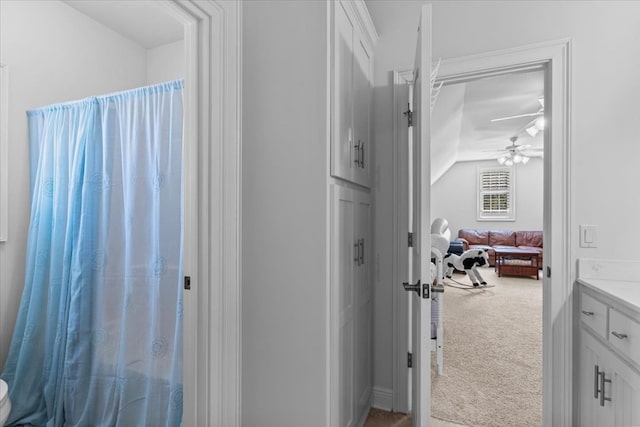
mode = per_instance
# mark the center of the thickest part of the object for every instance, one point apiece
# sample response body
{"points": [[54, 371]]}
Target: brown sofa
{"points": [[490, 239]]}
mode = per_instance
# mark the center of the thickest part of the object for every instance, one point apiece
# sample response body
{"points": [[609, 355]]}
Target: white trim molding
{"points": [[4, 152], [382, 398], [401, 314], [212, 135]]}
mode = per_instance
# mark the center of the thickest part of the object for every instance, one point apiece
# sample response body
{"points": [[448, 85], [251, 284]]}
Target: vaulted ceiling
{"points": [[462, 126]]}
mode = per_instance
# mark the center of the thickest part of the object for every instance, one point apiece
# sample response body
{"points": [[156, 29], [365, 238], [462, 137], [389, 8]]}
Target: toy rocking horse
{"points": [[468, 262]]}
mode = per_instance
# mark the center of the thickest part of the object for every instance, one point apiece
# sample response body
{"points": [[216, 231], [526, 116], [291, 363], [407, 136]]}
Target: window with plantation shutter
{"points": [[495, 194]]}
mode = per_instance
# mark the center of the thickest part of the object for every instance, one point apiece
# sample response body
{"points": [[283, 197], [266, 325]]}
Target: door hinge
{"points": [[410, 240], [410, 360], [409, 115]]}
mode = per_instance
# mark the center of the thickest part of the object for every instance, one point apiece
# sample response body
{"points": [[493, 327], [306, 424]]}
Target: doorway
{"points": [[487, 181], [557, 335], [211, 198]]}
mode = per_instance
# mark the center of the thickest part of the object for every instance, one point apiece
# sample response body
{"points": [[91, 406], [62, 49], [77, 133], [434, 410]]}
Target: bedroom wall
{"points": [[604, 133], [455, 196], [54, 54]]}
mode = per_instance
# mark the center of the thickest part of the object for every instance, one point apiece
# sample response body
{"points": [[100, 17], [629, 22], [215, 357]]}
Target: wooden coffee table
{"points": [[518, 262]]}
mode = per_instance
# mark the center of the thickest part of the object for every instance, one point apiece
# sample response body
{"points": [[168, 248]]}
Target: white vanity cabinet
{"points": [[352, 299], [352, 92], [609, 357]]}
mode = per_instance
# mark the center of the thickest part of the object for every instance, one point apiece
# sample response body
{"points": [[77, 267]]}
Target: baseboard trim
{"points": [[382, 398]]}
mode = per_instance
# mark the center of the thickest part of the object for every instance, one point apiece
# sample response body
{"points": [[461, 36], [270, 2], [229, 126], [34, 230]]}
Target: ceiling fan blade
{"points": [[537, 113]]}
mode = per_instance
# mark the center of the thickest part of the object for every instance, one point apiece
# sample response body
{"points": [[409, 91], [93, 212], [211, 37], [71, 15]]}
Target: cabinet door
{"points": [[342, 147], [625, 394], [351, 303], [594, 358], [363, 91], [363, 302], [343, 259]]}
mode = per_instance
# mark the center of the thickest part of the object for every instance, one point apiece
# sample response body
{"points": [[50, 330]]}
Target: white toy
{"points": [[469, 261]]}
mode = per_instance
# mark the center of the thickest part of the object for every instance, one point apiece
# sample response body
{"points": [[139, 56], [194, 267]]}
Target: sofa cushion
{"points": [[502, 238], [474, 237], [485, 247], [529, 238]]}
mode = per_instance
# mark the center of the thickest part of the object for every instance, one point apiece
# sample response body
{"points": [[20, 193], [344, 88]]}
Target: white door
{"points": [[419, 207]]}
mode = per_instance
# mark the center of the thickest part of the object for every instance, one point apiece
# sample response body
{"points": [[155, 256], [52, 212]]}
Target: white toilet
{"points": [[5, 403]]}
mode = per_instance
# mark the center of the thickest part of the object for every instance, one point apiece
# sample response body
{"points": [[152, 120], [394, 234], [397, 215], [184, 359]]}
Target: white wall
{"points": [[165, 63], [284, 214], [54, 54], [605, 92], [455, 197]]}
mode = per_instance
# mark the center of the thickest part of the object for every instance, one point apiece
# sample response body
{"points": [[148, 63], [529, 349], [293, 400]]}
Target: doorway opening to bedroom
{"points": [[487, 183]]}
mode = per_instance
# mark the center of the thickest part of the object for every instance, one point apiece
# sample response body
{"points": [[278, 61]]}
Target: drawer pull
{"points": [[619, 335], [588, 313]]}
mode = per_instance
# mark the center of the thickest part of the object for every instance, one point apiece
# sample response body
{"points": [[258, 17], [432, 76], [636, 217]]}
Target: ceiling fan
{"points": [[535, 125], [514, 153]]}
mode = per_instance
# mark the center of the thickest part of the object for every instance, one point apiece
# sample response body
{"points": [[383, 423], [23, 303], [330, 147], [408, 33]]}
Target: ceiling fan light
{"points": [[539, 124], [517, 158], [525, 159], [508, 162], [502, 159], [532, 130]]}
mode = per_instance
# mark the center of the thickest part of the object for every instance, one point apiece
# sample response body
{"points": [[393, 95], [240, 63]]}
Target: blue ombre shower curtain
{"points": [[98, 338]]}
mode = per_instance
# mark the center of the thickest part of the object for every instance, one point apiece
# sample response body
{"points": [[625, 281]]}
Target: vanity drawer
{"points": [[624, 335], [593, 314]]}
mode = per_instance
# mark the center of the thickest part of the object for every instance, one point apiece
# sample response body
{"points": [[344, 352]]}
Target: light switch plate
{"points": [[588, 236]]}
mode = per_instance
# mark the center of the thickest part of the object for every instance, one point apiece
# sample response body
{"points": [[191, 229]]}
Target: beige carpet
{"points": [[492, 354]]}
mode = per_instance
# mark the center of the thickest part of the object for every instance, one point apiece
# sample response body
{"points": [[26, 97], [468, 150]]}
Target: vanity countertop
{"points": [[626, 293]]}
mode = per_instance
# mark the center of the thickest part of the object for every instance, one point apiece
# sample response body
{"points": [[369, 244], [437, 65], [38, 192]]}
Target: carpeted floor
{"points": [[492, 357], [492, 353]]}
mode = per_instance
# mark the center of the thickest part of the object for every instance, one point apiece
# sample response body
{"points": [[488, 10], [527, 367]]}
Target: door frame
{"points": [[212, 210], [555, 56]]}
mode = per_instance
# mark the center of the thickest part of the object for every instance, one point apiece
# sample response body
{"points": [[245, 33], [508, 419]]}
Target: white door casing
{"points": [[212, 234], [420, 204], [555, 56], [401, 94]]}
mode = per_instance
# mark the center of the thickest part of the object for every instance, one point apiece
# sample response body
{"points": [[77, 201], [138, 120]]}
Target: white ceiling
{"points": [[461, 126], [462, 129], [145, 22], [474, 104]]}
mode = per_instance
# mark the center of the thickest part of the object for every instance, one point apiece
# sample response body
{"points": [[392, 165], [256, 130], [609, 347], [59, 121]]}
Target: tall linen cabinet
{"points": [[306, 206]]}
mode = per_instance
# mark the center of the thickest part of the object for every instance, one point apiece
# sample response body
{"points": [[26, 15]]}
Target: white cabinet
{"points": [[351, 294], [352, 92], [609, 363]]}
